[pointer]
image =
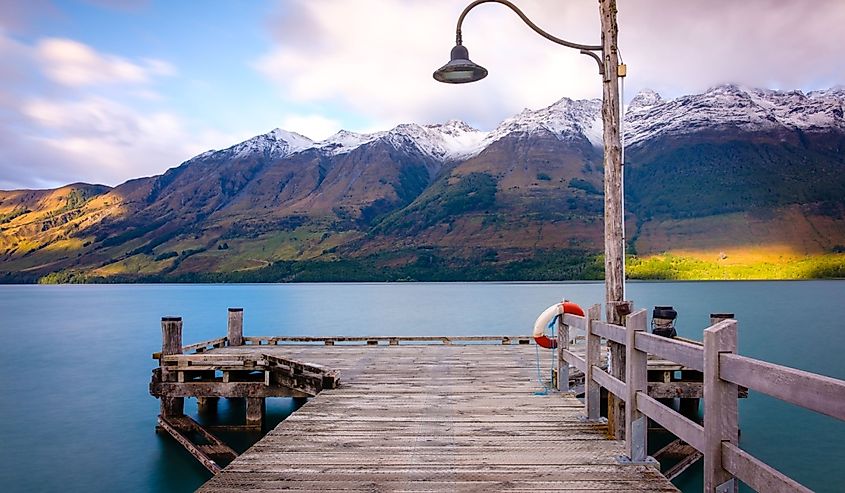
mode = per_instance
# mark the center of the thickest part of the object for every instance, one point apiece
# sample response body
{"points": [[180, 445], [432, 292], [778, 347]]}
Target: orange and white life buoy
{"points": [[546, 318]]}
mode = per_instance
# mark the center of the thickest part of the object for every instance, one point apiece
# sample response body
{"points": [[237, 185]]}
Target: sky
{"points": [[102, 91]]}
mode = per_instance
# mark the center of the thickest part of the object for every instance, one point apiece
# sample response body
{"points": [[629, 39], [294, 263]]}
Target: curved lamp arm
{"points": [[585, 49]]}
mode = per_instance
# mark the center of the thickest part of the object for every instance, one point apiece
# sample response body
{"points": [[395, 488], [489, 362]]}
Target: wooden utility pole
{"points": [[614, 242], [614, 247]]}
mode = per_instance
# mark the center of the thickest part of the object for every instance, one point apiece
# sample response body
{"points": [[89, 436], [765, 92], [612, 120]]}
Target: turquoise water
{"points": [[76, 415]]}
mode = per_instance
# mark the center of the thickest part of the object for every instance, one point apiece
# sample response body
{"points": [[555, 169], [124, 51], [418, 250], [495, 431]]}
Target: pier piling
{"points": [[235, 332], [171, 343]]}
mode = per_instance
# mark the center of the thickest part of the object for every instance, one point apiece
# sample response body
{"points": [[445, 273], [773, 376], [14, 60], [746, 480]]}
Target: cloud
{"points": [[315, 127], [97, 139], [684, 47], [374, 58], [75, 64], [58, 125]]}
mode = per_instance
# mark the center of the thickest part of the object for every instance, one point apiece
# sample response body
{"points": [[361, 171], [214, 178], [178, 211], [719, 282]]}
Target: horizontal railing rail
{"points": [[200, 347], [824, 395], [392, 340], [723, 371]]}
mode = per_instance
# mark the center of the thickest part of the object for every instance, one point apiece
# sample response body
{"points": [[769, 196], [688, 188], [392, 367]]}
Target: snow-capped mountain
{"points": [[566, 119], [771, 162], [276, 143], [732, 107], [648, 115], [450, 141]]}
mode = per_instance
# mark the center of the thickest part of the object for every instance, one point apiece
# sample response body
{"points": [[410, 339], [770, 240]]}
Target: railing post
{"points": [[720, 408], [592, 390], [171, 343], [636, 380], [235, 332], [562, 364], [616, 312]]}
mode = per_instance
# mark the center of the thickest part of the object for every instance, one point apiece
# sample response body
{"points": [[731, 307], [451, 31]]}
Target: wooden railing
{"points": [[390, 340], [203, 346], [723, 370]]}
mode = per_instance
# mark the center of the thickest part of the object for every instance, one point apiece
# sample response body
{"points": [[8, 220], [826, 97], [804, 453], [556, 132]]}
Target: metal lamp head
{"points": [[460, 68]]}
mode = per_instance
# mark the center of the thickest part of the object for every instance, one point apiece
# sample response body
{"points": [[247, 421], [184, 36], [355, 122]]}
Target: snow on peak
{"points": [[344, 141], [277, 143], [564, 119], [295, 142], [736, 107], [726, 106], [445, 142], [645, 100]]}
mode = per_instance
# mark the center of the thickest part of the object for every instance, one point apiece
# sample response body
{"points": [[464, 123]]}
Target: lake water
{"points": [[76, 415]]}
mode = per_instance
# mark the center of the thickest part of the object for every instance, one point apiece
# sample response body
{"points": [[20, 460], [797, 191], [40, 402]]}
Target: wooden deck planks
{"points": [[432, 418]]}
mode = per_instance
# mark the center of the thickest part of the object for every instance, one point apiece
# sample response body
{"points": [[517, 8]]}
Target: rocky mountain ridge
{"points": [[770, 160]]}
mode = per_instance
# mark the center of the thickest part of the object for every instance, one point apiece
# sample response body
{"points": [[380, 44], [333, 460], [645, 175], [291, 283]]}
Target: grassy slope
{"points": [[688, 266]]}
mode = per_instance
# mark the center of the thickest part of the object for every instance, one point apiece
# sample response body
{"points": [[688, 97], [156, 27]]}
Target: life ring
{"points": [[546, 318]]}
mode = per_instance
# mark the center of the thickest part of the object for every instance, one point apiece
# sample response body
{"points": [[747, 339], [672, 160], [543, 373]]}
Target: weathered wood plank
{"points": [[592, 357], [432, 417], [221, 389], [756, 473], [171, 343], [192, 448], [575, 321], [613, 385], [611, 332], [574, 360], [235, 327], [636, 380], [819, 393], [688, 431], [272, 340], [687, 354], [721, 414], [203, 345]]}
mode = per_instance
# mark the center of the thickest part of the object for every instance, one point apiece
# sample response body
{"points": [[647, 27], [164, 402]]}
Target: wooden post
{"points": [[171, 343], [615, 313], [207, 405], [614, 241], [562, 365], [636, 380], [720, 408], [718, 317], [592, 390], [235, 332], [255, 408]]}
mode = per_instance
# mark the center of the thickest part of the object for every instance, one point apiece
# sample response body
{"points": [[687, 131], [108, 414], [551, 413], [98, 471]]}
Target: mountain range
{"points": [[719, 174]]}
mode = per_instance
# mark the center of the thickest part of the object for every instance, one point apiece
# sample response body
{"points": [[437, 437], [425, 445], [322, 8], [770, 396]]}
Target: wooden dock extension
{"points": [[475, 414], [433, 418]]}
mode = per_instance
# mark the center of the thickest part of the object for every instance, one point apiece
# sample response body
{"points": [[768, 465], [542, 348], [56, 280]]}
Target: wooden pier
{"points": [[468, 413]]}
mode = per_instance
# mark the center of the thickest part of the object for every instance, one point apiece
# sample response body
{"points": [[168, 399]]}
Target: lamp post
{"points": [[461, 69]]}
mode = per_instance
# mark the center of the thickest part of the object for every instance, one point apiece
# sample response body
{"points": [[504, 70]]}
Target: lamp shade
{"points": [[460, 68]]}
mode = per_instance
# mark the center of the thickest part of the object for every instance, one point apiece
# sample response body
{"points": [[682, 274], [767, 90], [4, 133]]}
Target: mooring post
{"points": [[171, 343], [562, 364], [720, 407], [592, 390], [718, 317], [615, 313], [235, 332], [690, 407], [636, 380]]}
